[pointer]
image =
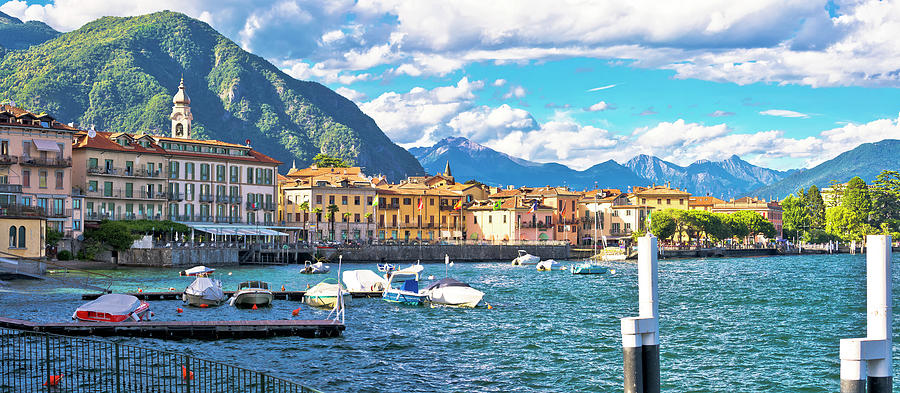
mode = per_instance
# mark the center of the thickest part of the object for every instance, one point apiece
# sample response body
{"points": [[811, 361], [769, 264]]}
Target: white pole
{"points": [[640, 336], [867, 361]]}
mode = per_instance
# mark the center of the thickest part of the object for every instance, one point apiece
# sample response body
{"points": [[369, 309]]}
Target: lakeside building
{"points": [[36, 168], [660, 197], [413, 211], [25, 228], [611, 215], [306, 194], [771, 210], [703, 203], [215, 187], [512, 218]]}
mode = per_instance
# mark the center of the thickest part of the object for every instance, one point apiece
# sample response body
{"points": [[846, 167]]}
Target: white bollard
{"points": [[867, 361], [640, 336]]}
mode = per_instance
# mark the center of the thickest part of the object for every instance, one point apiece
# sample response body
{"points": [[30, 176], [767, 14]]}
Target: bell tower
{"points": [[181, 114]]}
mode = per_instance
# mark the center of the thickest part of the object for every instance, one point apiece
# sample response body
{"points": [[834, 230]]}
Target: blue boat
{"points": [[589, 268], [403, 287]]}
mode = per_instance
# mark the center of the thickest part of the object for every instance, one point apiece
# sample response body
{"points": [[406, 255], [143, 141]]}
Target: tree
{"points": [[662, 224], [837, 222], [837, 193], [305, 208], [326, 161], [795, 216], [368, 221], [347, 220], [52, 236], [755, 223], [816, 206], [332, 210], [886, 197], [736, 228], [317, 211], [857, 203], [113, 234]]}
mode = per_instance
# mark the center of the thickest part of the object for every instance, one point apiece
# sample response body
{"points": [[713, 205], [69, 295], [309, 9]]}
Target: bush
{"points": [[64, 255]]}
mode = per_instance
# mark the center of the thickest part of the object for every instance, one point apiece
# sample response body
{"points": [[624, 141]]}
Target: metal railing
{"points": [[36, 362], [45, 161]]}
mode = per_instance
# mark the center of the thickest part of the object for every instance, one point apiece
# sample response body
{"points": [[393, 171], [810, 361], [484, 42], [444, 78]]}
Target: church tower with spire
{"points": [[447, 173], [181, 113]]}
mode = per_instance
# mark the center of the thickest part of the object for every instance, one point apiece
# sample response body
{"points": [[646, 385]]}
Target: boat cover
{"points": [[363, 280], [113, 304], [446, 282], [324, 288], [196, 270], [206, 288], [253, 284], [411, 286]]}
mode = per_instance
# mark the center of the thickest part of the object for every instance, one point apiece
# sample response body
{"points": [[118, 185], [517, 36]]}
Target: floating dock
{"points": [[173, 295], [186, 329]]}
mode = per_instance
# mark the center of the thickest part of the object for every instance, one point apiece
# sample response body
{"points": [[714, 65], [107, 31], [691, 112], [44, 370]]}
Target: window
{"points": [[76, 203], [668, 201], [4, 148], [173, 169], [406, 219], [220, 173], [356, 200], [548, 221], [259, 176], [189, 192], [249, 175], [26, 178], [12, 236], [407, 201], [680, 201], [108, 165], [490, 219], [659, 201], [129, 168], [204, 171], [107, 188], [92, 186], [129, 190], [21, 237], [356, 217], [59, 180], [331, 199], [189, 170], [318, 199], [42, 179], [431, 201], [234, 174], [26, 148], [92, 163], [344, 200], [76, 225], [627, 212], [369, 201]]}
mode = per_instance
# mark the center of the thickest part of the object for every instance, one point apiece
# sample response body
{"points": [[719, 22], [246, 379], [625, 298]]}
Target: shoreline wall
{"points": [[179, 257], [435, 253]]}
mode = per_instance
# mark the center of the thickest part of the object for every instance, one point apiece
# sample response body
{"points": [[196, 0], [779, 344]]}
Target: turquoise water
{"points": [[749, 324]]}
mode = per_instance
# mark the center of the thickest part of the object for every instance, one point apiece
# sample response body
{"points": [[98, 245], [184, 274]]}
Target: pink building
{"points": [[511, 220]]}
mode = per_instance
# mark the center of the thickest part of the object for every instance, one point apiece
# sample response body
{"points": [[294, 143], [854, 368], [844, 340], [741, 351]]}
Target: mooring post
{"points": [[640, 335], [867, 361]]}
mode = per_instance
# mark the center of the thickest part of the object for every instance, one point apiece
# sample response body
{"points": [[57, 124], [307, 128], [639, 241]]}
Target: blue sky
{"points": [[783, 84]]}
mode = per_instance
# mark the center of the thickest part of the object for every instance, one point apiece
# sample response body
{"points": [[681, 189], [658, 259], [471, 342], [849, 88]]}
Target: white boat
{"points": [[363, 281], [525, 258], [204, 292], [403, 286], [324, 294], [197, 271], [252, 293], [315, 268], [451, 292], [113, 307], [550, 264], [589, 268], [386, 267]]}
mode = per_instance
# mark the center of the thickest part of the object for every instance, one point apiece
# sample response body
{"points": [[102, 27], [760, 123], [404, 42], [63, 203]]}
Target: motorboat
{"points": [[363, 281], [197, 271], [386, 267], [589, 268], [252, 293], [114, 307], [452, 292], [403, 286], [315, 268], [525, 258], [550, 264], [204, 292], [324, 294]]}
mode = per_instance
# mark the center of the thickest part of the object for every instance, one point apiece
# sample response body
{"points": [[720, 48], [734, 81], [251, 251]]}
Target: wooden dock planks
{"points": [[187, 329], [174, 295]]}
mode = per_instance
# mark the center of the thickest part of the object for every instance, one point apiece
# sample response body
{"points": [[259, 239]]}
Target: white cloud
{"points": [[351, 94], [784, 113], [515, 92], [499, 82], [598, 107], [720, 113], [602, 88]]}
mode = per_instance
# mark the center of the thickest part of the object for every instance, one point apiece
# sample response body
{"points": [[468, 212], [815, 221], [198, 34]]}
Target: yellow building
{"points": [[660, 198], [306, 195], [703, 203], [24, 227], [412, 211]]}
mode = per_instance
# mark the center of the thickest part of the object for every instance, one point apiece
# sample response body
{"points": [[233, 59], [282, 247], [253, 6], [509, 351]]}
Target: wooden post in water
{"points": [[867, 361], [640, 335]]}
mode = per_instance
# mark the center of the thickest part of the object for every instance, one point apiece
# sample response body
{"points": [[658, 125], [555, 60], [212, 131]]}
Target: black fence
{"points": [[40, 362]]}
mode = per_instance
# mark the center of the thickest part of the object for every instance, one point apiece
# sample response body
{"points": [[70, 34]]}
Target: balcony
{"points": [[58, 213], [254, 206], [175, 196], [206, 198], [191, 218], [125, 172], [122, 194], [235, 199], [99, 216], [391, 206], [11, 188], [16, 210], [45, 161], [6, 160], [222, 199], [271, 206], [228, 220]]}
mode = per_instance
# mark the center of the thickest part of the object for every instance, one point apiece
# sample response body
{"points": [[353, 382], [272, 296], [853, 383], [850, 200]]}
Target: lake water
{"points": [[747, 324]]}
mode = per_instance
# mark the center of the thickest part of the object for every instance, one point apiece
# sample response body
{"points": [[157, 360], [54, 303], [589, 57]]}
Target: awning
{"points": [[44, 145], [236, 230]]}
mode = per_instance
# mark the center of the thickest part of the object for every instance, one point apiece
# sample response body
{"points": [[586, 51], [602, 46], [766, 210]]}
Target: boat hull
{"points": [[321, 301], [142, 313], [404, 297], [526, 260], [252, 298], [455, 296], [589, 269], [199, 301]]}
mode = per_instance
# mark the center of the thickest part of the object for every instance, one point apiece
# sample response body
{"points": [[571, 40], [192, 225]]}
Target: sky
{"points": [[781, 83]]}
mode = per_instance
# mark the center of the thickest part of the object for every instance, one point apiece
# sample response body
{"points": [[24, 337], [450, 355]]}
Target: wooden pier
{"points": [[186, 329], [174, 295]]}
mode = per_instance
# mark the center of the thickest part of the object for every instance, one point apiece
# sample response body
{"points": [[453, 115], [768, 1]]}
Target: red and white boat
{"points": [[114, 307]]}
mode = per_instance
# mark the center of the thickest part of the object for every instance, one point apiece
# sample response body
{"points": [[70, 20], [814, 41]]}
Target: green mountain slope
{"points": [[119, 74], [14, 34], [866, 161]]}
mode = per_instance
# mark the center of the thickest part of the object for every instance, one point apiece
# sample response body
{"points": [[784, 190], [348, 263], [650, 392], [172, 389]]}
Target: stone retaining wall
{"points": [[465, 253], [179, 257]]}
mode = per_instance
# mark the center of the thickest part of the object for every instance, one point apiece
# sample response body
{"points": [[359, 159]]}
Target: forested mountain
{"points": [[119, 74], [866, 161], [15, 34]]}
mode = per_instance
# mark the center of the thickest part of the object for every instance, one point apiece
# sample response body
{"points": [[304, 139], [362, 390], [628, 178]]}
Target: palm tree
{"points": [[316, 212], [368, 221], [347, 220], [305, 208], [332, 209]]}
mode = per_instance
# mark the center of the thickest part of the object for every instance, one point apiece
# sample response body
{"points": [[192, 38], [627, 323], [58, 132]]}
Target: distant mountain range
{"points": [[15, 34], [866, 161], [469, 160]]}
